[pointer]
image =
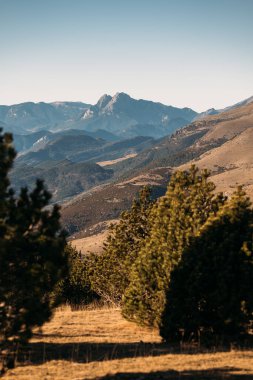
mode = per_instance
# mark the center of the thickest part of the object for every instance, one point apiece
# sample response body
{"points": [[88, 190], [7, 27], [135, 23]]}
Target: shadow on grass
{"points": [[40, 352], [212, 374], [85, 352]]}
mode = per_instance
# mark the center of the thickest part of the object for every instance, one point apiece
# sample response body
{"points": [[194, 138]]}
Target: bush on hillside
{"points": [[210, 293], [177, 217], [75, 289], [32, 258], [111, 269]]}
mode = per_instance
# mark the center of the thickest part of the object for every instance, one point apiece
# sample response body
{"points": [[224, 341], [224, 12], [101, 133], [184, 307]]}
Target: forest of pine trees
{"points": [[184, 263]]}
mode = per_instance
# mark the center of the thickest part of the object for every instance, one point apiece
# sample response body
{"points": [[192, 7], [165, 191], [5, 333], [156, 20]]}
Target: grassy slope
{"points": [[231, 163], [104, 203], [93, 344], [92, 243]]}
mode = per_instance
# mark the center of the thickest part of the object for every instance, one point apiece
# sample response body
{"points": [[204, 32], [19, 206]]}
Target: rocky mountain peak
{"points": [[103, 101], [120, 96], [118, 102]]}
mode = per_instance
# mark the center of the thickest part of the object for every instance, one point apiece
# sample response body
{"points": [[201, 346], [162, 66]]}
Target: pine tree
{"points": [[111, 275], [211, 289], [32, 260], [178, 216]]}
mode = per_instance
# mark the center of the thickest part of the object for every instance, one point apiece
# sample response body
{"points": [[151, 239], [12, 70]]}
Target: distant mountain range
{"points": [[121, 115], [62, 142], [128, 117], [29, 117], [76, 146]]}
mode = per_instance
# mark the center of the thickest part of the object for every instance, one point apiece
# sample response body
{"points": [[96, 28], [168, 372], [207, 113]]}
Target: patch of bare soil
{"points": [[112, 162]]}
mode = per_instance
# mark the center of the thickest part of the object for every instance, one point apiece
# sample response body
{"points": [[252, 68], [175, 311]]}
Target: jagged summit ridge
{"points": [[103, 101], [122, 114]]}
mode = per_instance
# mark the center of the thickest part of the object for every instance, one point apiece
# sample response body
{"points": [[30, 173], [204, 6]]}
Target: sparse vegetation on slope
{"points": [[86, 211]]}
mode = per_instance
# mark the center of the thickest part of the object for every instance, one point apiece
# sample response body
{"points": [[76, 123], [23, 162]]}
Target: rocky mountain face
{"points": [[128, 117], [31, 141]]}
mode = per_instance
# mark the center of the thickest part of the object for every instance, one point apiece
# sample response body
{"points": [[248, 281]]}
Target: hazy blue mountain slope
{"points": [[81, 148], [62, 147], [120, 115], [63, 179], [31, 116], [36, 139]]}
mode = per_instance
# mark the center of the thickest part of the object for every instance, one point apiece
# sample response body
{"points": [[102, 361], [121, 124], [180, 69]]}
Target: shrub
{"points": [[211, 289], [178, 216]]}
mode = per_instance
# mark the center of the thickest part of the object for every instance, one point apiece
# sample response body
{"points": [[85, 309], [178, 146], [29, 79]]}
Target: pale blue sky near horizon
{"points": [[185, 53]]}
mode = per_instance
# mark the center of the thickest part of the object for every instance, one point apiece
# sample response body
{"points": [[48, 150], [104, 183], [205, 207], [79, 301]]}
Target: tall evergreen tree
{"points": [[211, 289], [111, 275], [32, 260], [187, 204]]}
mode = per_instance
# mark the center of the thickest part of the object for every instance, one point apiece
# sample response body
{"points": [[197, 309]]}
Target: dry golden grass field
{"points": [[231, 164], [92, 243], [112, 162], [100, 344]]}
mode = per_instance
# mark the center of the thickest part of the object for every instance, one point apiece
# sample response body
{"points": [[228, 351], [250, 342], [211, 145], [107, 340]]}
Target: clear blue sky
{"points": [[195, 53]]}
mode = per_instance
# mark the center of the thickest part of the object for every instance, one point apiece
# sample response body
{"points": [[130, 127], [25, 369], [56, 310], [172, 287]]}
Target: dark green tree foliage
{"points": [[75, 289], [111, 275], [31, 256], [211, 289], [178, 216]]}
